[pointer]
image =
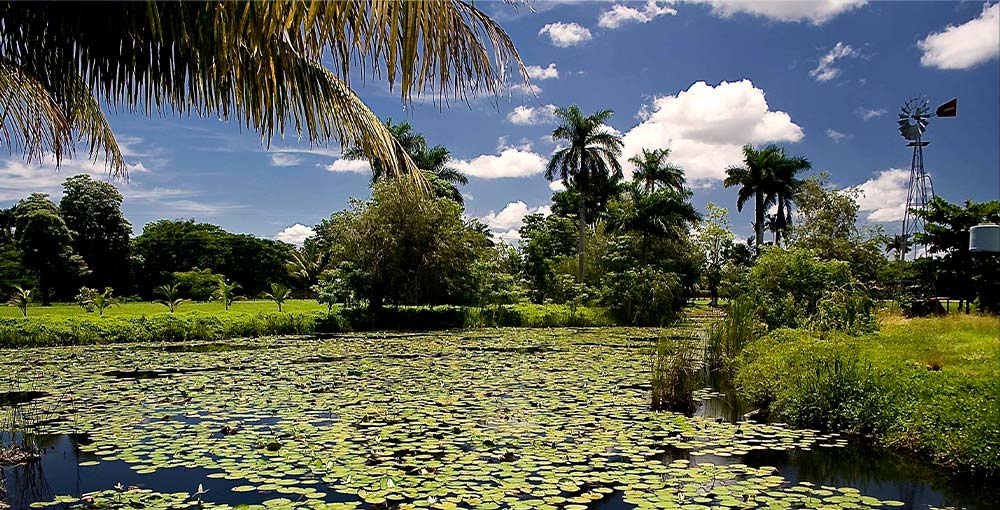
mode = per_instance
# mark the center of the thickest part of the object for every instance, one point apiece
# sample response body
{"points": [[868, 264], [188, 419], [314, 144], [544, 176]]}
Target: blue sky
{"points": [[824, 79]]}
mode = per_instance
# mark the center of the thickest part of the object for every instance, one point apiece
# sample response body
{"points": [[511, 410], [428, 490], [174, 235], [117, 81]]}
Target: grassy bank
{"points": [[931, 386], [147, 308], [131, 322]]}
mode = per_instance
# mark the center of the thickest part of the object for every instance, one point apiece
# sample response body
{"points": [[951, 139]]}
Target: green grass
{"points": [[148, 308], [931, 386]]}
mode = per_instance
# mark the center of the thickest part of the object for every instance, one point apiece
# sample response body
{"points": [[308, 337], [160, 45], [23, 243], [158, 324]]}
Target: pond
{"points": [[521, 419]]}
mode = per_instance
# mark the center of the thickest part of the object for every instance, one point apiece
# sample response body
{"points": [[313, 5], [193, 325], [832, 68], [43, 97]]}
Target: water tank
{"points": [[984, 239]]}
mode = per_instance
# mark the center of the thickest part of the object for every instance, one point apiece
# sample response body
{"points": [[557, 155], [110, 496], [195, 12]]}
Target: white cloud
{"points": [[511, 162], [543, 73], [285, 159], [524, 145], [295, 234], [964, 46], [527, 88], [352, 166], [815, 12], [705, 127], [884, 196], [871, 113], [565, 35], [620, 14], [530, 116], [826, 71], [557, 185], [837, 136], [506, 224]]}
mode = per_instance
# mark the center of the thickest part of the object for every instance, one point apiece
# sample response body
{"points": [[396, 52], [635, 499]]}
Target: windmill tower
{"points": [[913, 119]]}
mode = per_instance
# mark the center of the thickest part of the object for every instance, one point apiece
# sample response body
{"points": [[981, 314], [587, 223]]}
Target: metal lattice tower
{"points": [[913, 120]]}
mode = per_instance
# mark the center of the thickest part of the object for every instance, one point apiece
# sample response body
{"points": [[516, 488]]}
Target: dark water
{"points": [[876, 472]]}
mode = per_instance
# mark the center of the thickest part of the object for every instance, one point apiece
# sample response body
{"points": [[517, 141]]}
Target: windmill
{"points": [[913, 119]]}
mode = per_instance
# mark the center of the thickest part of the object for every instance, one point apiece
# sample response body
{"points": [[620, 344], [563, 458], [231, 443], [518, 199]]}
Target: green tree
{"points": [[308, 263], [90, 300], [197, 284], [92, 210], [591, 156], [63, 61], [171, 295], [544, 239], [651, 213], [405, 246], [46, 243], [768, 176], [715, 238], [783, 188], [20, 298], [279, 294], [653, 170], [226, 293]]}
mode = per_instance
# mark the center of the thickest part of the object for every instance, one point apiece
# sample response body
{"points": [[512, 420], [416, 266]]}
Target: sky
{"points": [[823, 79]]}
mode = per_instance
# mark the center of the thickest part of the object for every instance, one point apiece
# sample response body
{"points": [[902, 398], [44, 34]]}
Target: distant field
{"points": [[147, 308]]}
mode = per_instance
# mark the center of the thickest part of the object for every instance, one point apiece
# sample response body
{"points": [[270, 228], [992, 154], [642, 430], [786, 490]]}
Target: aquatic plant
{"points": [[727, 337], [674, 376]]}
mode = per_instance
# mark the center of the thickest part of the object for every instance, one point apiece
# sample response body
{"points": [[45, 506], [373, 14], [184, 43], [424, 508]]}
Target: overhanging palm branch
{"points": [[255, 62]]}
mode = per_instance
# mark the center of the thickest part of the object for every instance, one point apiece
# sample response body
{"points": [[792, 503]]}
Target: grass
{"points": [[931, 386], [147, 308]]}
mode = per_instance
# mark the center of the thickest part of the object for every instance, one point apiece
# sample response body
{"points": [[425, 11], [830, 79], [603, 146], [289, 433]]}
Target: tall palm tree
{"points": [[591, 156], [662, 212], [768, 176], [259, 63], [783, 188], [652, 169], [308, 263]]}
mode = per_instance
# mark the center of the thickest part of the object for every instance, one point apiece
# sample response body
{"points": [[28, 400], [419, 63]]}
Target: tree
{"points": [[652, 170], [592, 155], [715, 238], [768, 176], [405, 247], [782, 189], [651, 213], [954, 270], [59, 63], [308, 263], [46, 243], [432, 161], [20, 298], [543, 239], [171, 296], [90, 300], [197, 284], [279, 294], [226, 293], [92, 210]]}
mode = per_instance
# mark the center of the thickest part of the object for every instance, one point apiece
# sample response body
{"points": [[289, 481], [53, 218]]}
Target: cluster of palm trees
{"points": [[769, 177], [656, 202]]}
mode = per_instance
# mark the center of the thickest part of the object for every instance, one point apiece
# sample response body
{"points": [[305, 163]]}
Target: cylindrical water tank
{"points": [[984, 238]]}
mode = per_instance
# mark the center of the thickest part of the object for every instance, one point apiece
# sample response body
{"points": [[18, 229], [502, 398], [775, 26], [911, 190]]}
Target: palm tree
{"points": [[768, 176], [279, 294], [308, 263], [20, 299], [259, 63], [898, 244], [171, 296], [591, 156], [652, 169], [783, 188], [101, 301], [432, 162], [226, 292], [661, 213]]}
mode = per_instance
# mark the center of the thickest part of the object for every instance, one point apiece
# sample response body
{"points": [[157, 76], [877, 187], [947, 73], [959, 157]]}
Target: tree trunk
{"points": [[581, 245], [759, 216], [715, 296]]}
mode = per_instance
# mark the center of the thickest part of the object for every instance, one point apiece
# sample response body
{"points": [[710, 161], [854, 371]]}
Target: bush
{"points": [[646, 296]]}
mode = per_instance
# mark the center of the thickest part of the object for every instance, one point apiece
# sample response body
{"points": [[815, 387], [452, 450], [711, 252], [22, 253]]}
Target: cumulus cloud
{"points": [[532, 115], [964, 46], [883, 197], [815, 12], [620, 14], [565, 35], [510, 162], [826, 70], [527, 88], [352, 166], [705, 127], [543, 73], [506, 224], [871, 113], [295, 234], [557, 185], [837, 136]]}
